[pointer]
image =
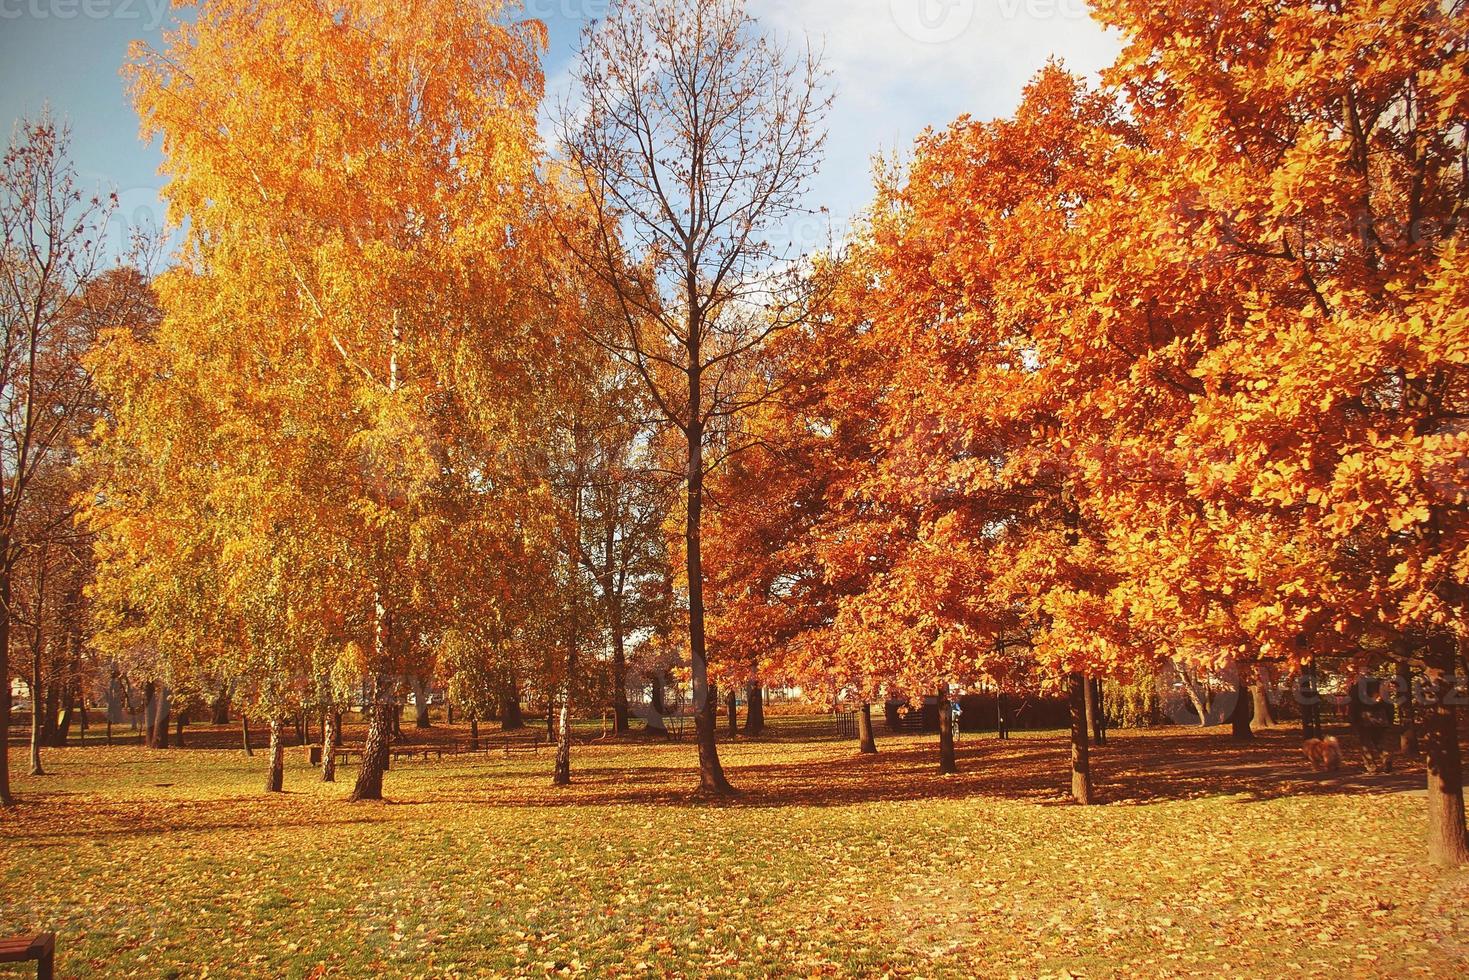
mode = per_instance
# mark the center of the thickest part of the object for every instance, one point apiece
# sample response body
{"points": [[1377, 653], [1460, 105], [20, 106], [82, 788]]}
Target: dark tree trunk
{"points": [[178, 729], [754, 709], [380, 714], [1407, 724], [337, 729], [328, 747], [38, 707], [620, 723], [62, 731], [1243, 710], [510, 714], [302, 733], [1002, 718], [947, 761], [732, 712], [1081, 773], [656, 698], [220, 709], [245, 733], [473, 733], [160, 717], [275, 775], [449, 712], [866, 742], [1447, 842], [711, 773], [551, 719]]}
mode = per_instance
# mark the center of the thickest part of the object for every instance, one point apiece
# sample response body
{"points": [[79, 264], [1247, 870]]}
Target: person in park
{"points": [[1370, 716]]}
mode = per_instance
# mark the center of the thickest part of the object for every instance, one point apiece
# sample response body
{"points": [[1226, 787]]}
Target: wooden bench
{"points": [[343, 754], [22, 949]]}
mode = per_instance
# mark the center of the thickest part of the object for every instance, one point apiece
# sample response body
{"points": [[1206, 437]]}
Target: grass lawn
{"points": [[1206, 858]]}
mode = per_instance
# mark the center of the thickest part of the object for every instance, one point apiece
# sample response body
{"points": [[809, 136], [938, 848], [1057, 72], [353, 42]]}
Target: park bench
{"points": [[22, 949], [343, 754]]}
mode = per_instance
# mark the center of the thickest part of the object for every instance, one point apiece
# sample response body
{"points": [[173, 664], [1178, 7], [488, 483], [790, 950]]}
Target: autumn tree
{"points": [[356, 179], [52, 249], [694, 137]]}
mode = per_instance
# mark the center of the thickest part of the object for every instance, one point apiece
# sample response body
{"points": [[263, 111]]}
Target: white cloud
{"points": [[899, 66]]}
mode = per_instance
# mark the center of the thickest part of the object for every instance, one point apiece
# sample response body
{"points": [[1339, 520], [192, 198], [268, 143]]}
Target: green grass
{"points": [[1205, 858]]}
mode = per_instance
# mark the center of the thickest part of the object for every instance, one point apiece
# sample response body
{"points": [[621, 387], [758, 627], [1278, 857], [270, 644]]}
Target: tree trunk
{"points": [[275, 774], [420, 703], [1407, 724], [328, 747], [220, 709], [562, 776], [1195, 695], [38, 710], [1260, 695], [62, 731], [1092, 723], [620, 724], [511, 717], [866, 742], [1243, 710], [474, 733], [754, 709], [160, 717], [656, 697], [947, 761], [245, 733], [1447, 841], [1081, 773], [178, 729], [380, 712], [6, 799], [731, 707], [1002, 719], [711, 773], [552, 734]]}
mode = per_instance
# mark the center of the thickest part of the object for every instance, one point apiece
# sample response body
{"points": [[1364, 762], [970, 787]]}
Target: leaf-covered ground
{"points": [[1206, 858]]}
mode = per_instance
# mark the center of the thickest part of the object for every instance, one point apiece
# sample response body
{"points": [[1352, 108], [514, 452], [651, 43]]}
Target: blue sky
{"points": [[897, 66]]}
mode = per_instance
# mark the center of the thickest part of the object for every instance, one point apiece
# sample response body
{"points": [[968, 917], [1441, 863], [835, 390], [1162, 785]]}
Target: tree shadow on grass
{"points": [[1133, 768]]}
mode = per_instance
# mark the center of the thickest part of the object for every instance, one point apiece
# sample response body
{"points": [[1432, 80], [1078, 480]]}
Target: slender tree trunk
{"points": [[474, 733], [711, 773], [220, 709], [1407, 724], [1099, 715], [38, 710], [1092, 723], [866, 741], [1243, 710], [1002, 720], [1081, 773], [6, 799], [1447, 840], [947, 761], [328, 747], [178, 730], [562, 776], [620, 723], [656, 697], [245, 733], [731, 706], [275, 774]]}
